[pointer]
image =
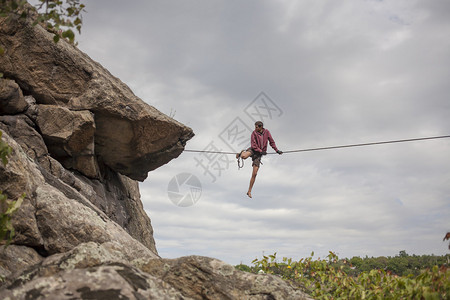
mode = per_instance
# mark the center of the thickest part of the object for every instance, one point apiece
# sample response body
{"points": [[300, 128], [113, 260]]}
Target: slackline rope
{"points": [[335, 147]]}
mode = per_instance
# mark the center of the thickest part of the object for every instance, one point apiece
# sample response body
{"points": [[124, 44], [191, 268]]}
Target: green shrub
{"points": [[7, 207], [327, 279], [5, 150]]}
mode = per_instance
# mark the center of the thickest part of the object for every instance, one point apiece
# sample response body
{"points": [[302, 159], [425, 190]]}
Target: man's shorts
{"points": [[256, 157]]}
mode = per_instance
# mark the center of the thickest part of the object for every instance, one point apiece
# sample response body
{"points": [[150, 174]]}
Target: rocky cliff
{"points": [[81, 140]]}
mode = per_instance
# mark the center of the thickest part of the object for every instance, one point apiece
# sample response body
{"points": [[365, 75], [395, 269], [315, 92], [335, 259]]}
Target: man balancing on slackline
{"points": [[258, 143]]}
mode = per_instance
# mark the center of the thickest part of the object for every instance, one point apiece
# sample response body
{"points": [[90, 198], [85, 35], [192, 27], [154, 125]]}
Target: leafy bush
{"points": [[327, 279], [7, 207], [244, 268], [5, 150], [58, 17]]}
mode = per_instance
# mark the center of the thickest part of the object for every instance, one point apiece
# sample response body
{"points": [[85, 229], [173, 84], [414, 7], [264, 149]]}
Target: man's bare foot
{"points": [[249, 194]]}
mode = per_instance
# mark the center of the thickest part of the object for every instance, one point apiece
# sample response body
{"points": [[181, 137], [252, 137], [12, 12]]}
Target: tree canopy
{"points": [[59, 17]]}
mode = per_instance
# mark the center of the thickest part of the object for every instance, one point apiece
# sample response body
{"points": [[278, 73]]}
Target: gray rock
{"points": [[54, 217], [31, 111], [117, 195], [88, 271], [200, 277], [17, 259], [24, 132], [94, 271], [20, 176], [85, 255], [65, 223], [11, 98], [70, 137], [118, 281]]}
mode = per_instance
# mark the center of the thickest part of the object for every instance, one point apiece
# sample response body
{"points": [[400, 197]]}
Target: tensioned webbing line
{"points": [[336, 147]]}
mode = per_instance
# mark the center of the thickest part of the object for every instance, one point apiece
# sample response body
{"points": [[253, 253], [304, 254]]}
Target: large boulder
{"points": [[102, 271], [70, 136], [131, 137], [16, 259], [89, 271], [198, 277]]}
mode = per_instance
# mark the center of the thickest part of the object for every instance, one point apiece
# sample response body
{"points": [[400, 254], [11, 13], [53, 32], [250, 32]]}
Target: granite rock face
{"points": [[85, 130], [80, 141], [32, 170], [55, 217]]}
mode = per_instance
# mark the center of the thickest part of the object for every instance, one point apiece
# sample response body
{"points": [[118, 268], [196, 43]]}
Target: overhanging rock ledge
{"points": [[130, 136]]}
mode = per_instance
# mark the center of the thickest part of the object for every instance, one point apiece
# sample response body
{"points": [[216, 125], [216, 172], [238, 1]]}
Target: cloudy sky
{"points": [[318, 73]]}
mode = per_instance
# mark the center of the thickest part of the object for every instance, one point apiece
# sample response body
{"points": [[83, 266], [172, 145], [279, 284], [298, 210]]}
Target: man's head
{"points": [[259, 126]]}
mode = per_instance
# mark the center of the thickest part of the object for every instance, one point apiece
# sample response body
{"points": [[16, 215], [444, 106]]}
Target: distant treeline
{"points": [[402, 264]]}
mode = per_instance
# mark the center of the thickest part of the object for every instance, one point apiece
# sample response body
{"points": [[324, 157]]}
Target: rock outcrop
{"points": [[80, 141], [92, 271], [131, 137]]}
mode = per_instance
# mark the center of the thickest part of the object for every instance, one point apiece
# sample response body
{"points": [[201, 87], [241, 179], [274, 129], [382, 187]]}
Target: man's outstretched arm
{"points": [[272, 143]]}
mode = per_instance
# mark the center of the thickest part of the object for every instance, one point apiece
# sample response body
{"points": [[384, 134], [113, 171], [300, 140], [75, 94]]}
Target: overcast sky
{"points": [[318, 73]]}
